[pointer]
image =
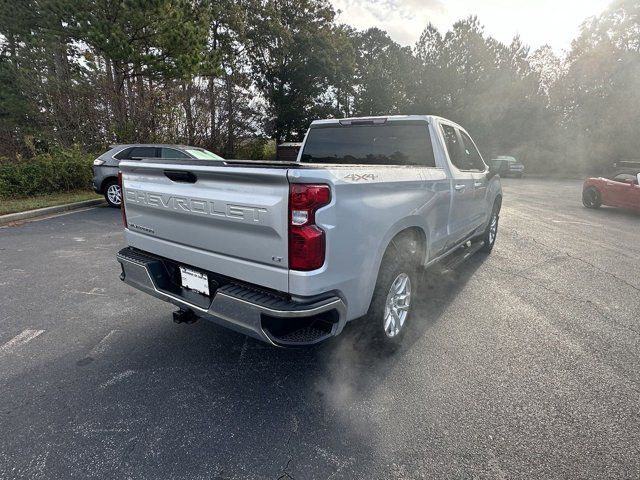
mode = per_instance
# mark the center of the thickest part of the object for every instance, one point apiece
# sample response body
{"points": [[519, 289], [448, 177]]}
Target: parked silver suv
{"points": [[105, 167]]}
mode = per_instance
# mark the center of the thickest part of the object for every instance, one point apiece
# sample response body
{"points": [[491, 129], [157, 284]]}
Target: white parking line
{"points": [[47, 217], [577, 223], [102, 346], [19, 340], [116, 378], [93, 291]]}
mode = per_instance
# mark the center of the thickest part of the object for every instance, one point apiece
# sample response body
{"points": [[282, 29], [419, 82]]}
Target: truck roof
{"points": [[379, 120]]}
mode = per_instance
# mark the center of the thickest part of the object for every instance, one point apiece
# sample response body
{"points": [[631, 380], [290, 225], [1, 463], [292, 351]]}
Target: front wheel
{"points": [[112, 193], [591, 198], [491, 232]]}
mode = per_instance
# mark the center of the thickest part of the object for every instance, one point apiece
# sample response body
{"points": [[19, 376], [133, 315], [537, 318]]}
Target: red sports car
{"points": [[621, 190]]}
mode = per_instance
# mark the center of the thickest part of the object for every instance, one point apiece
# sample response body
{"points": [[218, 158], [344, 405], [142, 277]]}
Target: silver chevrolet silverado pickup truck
{"points": [[288, 253]]}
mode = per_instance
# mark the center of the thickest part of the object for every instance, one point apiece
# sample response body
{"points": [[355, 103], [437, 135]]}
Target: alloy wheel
{"points": [[114, 194], [397, 305], [493, 228]]}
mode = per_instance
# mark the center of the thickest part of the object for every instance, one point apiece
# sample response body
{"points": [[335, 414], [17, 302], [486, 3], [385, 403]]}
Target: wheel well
{"points": [[498, 201], [411, 240], [105, 182], [593, 188]]}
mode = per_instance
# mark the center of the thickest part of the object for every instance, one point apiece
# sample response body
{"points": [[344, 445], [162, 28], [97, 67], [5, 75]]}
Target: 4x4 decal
{"points": [[357, 177]]}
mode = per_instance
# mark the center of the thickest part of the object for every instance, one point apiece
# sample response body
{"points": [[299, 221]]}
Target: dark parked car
{"points": [[507, 166], [105, 167]]}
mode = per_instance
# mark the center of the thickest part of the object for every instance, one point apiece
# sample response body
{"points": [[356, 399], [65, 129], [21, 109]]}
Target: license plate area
{"points": [[194, 280]]}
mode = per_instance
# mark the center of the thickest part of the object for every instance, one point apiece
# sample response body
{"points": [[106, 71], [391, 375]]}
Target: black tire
{"points": [[385, 324], [112, 193], [491, 232], [591, 198]]}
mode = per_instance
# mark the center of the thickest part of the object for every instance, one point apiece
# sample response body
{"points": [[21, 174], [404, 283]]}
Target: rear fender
{"points": [[413, 222], [107, 179]]}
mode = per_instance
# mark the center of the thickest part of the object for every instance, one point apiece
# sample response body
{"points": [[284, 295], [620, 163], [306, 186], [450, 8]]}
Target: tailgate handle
{"points": [[177, 176]]}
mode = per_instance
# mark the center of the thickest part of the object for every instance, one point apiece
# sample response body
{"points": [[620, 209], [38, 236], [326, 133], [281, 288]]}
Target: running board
{"points": [[455, 259]]}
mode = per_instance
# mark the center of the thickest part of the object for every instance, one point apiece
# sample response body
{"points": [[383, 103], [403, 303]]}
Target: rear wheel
{"points": [[591, 198], [391, 306], [112, 193]]}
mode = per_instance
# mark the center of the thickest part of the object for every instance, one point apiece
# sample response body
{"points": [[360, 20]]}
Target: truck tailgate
{"points": [[230, 220]]}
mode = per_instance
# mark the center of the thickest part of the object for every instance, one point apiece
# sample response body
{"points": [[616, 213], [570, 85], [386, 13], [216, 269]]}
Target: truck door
{"points": [[463, 211], [472, 160]]}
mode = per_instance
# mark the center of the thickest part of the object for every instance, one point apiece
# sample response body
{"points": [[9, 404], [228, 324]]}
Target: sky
{"points": [[539, 22]]}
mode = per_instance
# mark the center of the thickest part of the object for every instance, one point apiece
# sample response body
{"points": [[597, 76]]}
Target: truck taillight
{"points": [[306, 239], [122, 209]]}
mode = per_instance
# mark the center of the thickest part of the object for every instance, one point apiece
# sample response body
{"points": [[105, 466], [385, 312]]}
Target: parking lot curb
{"points": [[43, 212]]}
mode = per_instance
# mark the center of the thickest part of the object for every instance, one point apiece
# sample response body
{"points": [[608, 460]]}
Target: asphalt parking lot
{"points": [[523, 364]]}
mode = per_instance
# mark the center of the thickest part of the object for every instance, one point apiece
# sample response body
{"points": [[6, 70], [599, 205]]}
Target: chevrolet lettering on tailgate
{"points": [[198, 206]]}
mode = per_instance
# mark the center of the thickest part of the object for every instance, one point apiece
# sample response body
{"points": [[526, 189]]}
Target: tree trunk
{"points": [[230, 118], [153, 125], [12, 48], [186, 103], [212, 114], [143, 108], [132, 108], [63, 105], [115, 79]]}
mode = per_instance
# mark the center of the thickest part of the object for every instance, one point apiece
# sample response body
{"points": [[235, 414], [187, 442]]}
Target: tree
{"points": [[227, 73], [290, 48], [597, 98], [548, 66], [383, 70], [144, 43]]}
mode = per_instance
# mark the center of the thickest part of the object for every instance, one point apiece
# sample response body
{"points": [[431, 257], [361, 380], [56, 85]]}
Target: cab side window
{"points": [[472, 159], [454, 149]]}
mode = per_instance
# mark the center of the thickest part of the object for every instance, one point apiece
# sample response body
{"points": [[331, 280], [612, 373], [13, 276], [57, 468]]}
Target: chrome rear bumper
{"points": [[252, 311]]}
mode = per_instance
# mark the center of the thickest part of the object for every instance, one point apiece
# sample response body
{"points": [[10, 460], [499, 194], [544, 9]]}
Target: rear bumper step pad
{"points": [[250, 310]]}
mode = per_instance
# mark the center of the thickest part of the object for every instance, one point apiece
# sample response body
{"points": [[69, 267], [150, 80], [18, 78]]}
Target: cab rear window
{"points": [[385, 144]]}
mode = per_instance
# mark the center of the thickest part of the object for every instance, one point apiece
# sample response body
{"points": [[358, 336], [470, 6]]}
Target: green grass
{"points": [[40, 201]]}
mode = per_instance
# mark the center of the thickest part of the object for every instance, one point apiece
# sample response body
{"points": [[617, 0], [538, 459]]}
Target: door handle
{"points": [[477, 184], [459, 186], [183, 177]]}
